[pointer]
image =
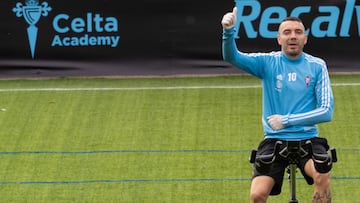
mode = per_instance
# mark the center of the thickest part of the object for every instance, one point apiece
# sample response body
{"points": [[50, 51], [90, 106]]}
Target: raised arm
{"points": [[250, 63]]}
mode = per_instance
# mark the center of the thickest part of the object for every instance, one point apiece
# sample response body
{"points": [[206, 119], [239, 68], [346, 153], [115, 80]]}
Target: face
{"points": [[292, 38]]}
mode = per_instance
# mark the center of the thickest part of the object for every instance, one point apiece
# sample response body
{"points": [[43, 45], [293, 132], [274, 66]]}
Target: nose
{"points": [[293, 35]]}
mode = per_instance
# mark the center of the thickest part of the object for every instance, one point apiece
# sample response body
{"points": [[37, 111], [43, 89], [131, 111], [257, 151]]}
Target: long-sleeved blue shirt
{"points": [[299, 89]]}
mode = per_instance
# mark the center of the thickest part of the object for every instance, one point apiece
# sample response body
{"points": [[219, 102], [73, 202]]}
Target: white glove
{"points": [[229, 19], [275, 122]]}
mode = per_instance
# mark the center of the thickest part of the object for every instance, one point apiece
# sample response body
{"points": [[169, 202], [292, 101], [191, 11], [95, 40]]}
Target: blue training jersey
{"points": [[299, 89]]}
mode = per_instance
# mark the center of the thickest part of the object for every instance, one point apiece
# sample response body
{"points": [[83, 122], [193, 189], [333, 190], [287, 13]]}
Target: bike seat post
{"points": [[292, 179], [293, 148]]}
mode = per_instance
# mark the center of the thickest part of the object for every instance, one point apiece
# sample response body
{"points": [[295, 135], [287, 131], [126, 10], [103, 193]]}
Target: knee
{"points": [[322, 179], [256, 196], [323, 164]]}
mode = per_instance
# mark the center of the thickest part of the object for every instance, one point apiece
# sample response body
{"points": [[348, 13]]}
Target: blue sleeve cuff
{"points": [[228, 32]]}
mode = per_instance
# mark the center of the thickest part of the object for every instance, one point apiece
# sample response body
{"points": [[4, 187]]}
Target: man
{"points": [[296, 96]]}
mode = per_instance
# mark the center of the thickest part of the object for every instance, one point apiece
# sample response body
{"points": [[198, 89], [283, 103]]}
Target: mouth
{"points": [[293, 45]]}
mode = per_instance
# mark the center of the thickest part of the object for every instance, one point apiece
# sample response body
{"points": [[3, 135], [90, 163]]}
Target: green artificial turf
{"points": [[151, 139]]}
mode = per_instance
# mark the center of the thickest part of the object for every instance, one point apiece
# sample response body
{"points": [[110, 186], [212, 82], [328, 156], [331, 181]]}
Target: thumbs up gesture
{"points": [[229, 19]]}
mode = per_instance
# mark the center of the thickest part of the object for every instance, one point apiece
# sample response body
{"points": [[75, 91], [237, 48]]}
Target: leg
{"points": [[267, 182], [261, 187], [322, 189]]}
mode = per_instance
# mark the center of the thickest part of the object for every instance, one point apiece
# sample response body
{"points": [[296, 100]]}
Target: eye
{"points": [[299, 31], [286, 32]]}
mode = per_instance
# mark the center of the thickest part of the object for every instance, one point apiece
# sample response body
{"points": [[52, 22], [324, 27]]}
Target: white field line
{"points": [[128, 88], [147, 88]]}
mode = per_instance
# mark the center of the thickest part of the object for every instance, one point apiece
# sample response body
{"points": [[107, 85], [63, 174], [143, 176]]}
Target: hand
{"points": [[275, 122], [229, 19]]}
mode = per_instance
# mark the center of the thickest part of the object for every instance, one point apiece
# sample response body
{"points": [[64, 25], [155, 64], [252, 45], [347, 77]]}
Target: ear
{"points": [[278, 40], [306, 39]]}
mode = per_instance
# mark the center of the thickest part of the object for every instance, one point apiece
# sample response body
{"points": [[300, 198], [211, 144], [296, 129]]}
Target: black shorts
{"points": [[319, 145]]}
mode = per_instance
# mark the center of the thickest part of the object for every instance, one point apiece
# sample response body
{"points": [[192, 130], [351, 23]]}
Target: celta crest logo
{"points": [[32, 12]]}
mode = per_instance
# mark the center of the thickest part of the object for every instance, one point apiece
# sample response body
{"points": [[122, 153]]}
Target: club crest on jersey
{"points": [[307, 81]]}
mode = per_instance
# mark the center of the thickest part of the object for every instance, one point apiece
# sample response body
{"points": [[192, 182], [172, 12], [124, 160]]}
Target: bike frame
{"points": [[292, 180], [293, 152]]}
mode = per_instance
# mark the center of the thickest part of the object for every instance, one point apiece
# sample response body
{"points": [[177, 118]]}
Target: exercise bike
{"points": [[293, 151]]}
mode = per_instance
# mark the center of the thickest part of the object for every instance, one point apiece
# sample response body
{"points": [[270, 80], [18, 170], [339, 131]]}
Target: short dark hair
{"points": [[292, 18]]}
